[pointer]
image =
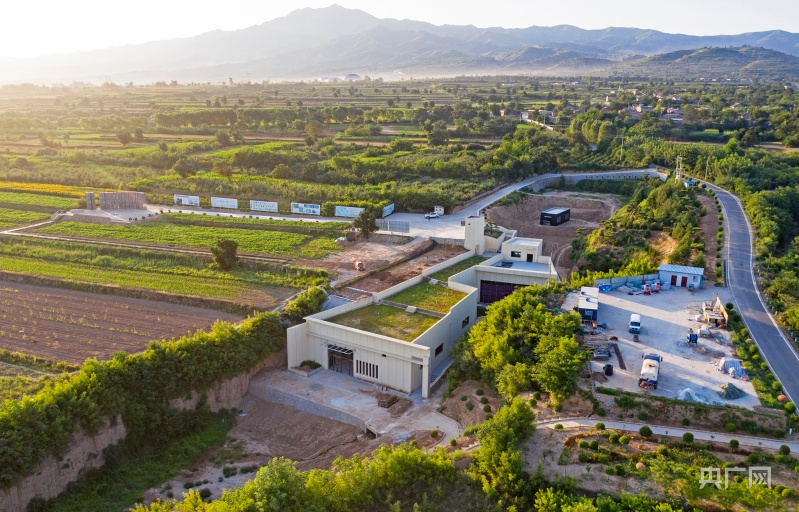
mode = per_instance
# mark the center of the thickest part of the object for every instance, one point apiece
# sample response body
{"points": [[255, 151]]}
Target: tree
{"points": [[558, 369], [224, 169], [138, 134], [513, 379], [365, 223], [225, 254], [223, 138], [124, 137], [182, 168]]}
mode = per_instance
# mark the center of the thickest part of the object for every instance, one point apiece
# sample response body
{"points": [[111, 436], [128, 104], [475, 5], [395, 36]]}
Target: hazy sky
{"points": [[37, 27]]}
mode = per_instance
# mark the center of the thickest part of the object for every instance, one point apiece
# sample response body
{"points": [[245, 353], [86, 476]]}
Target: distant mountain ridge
{"points": [[332, 41]]}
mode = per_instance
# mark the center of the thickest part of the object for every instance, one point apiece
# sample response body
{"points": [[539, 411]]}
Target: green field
{"points": [[428, 296], [257, 286], [42, 200], [443, 275], [193, 218], [9, 217], [387, 321], [249, 240]]}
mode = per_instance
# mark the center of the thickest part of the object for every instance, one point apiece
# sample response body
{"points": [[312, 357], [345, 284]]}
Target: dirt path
{"points": [[710, 226]]}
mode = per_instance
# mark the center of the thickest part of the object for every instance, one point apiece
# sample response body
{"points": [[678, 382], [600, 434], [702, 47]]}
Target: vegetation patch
{"points": [[443, 275], [387, 321], [428, 296]]}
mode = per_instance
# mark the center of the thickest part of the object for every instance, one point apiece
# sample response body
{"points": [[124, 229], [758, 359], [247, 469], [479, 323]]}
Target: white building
{"points": [[678, 275]]}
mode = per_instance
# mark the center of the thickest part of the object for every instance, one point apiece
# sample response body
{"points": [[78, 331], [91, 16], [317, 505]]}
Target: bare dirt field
{"points": [[710, 226], [588, 209], [70, 326], [458, 408]]}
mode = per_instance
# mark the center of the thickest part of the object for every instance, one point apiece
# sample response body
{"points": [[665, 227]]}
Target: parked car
{"points": [[432, 215]]}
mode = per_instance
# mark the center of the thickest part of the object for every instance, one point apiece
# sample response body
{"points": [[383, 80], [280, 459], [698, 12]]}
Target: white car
{"points": [[432, 215]]}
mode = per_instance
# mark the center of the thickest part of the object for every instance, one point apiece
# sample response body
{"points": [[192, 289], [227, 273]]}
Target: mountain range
{"points": [[312, 43]]}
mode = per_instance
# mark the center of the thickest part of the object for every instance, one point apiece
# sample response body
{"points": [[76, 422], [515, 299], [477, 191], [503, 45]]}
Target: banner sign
{"points": [[263, 206], [187, 200], [223, 202], [306, 209], [348, 211], [388, 210]]}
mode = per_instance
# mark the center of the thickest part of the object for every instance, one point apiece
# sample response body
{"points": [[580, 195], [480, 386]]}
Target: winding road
{"points": [[777, 351]]}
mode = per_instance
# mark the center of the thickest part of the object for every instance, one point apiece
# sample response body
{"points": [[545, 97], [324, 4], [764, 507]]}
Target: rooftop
{"points": [[530, 242], [556, 210], [523, 265], [667, 267], [387, 321]]}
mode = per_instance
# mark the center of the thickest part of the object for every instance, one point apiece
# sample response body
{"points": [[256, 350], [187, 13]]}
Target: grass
{"points": [[256, 285], [122, 482], [249, 240], [443, 275], [428, 296], [14, 388], [43, 200], [9, 217], [387, 321]]}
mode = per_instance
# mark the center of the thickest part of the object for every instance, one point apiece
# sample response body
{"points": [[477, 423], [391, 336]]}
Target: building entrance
{"points": [[339, 359]]}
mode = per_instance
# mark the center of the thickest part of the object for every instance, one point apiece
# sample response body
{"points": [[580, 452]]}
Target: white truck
{"points": [[649, 371]]}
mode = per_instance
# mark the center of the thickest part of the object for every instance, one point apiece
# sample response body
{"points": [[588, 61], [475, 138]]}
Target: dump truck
{"points": [[649, 371]]}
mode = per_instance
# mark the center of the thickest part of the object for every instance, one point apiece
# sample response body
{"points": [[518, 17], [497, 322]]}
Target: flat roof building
{"points": [[555, 216], [679, 275]]}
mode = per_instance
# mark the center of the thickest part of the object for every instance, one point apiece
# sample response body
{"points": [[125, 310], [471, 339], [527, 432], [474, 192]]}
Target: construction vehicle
{"points": [[649, 371]]}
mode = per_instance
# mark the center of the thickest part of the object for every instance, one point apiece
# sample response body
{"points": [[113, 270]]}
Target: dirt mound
{"points": [[730, 391]]}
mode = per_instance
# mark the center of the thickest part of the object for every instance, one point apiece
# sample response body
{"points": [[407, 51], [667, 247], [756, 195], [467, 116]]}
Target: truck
{"points": [[635, 324], [649, 371]]}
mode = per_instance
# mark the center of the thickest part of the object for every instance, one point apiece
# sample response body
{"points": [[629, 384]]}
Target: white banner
{"points": [[348, 211], [263, 206], [224, 202], [187, 200], [306, 209]]}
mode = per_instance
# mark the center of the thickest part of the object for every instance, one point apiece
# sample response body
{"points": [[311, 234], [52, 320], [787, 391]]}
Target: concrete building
{"points": [[588, 304], [678, 275], [555, 216]]}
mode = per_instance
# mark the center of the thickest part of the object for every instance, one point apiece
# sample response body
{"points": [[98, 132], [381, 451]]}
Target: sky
{"points": [[40, 27]]}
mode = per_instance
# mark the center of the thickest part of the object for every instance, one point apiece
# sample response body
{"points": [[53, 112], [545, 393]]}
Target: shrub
{"points": [[434, 434], [558, 407], [486, 408], [558, 426], [483, 400], [600, 411], [663, 450], [790, 407], [582, 457], [453, 442], [686, 422], [469, 405], [536, 395], [785, 449], [688, 437], [730, 427], [645, 431], [600, 426], [188, 484], [533, 403], [643, 416], [479, 391], [624, 440], [313, 365], [306, 303], [619, 470], [610, 471], [734, 444], [729, 306], [583, 444], [464, 398], [776, 386], [229, 471], [205, 493], [594, 444], [613, 438]]}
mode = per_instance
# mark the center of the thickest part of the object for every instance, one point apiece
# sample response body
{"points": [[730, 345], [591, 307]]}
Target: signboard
{"points": [[348, 211], [394, 226], [224, 202], [187, 200], [388, 210], [306, 209], [263, 206]]}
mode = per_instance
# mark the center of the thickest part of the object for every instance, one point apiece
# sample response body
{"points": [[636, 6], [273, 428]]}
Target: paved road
{"points": [[699, 435], [774, 347]]}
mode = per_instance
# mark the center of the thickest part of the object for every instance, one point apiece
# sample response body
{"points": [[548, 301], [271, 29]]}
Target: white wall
{"points": [[665, 278]]}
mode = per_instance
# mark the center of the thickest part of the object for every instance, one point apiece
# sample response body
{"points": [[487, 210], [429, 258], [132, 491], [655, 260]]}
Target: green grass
{"points": [[428, 296], [254, 285], [387, 321], [122, 482], [193, 218], [249, 240], [47, 201], [443, 275], [9, 217], [15, 387]]}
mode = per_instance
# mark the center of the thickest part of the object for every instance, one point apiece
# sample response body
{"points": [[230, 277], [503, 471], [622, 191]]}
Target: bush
{"points": [[582, 457], [624, 440], [434, 434], [613, 438], [686, 422], [645, 431], [610, 471], [469, 405], [734, 443], [558, 426], [776, 386], [486, 408], [205, 493], [688, 437], [600, 411], [643, 416], [790, 407], [730, 427], [594, 444], [663, 450], [600, 426], [313, 365], [536, 395], [464, 398], [583, 444], [306, 303], [619, 470], [483, 400], [229, 471], [453, 442], [785, 449], [479, 391]]}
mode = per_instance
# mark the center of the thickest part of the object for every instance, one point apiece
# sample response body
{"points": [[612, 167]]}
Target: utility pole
{"points": [[678, 170]]}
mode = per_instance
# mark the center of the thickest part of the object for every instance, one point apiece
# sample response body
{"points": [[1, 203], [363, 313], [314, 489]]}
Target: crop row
{"points": [[43, 200], [260, 241], [45, 188], [193, 218], [9, 217]]}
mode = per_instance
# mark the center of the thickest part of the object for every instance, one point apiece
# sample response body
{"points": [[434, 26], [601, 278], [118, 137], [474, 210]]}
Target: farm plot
{"points": [[10, 217], [38, 200], [70, 326], [249, 240]]}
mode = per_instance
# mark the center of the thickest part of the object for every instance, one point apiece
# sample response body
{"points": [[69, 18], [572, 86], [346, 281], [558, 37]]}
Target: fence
{"points": [[615, 282]]}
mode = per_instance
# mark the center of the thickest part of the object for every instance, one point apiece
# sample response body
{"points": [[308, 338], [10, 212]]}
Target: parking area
{"points": [[665, 319]]}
